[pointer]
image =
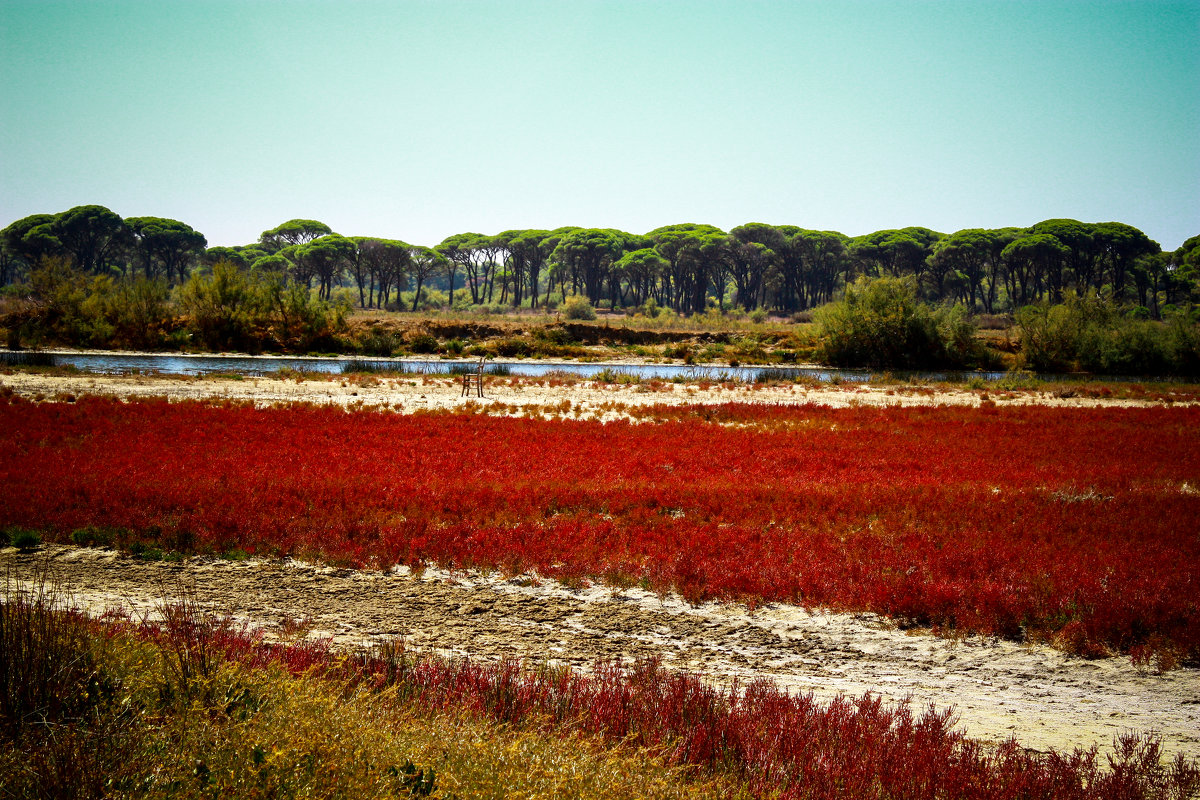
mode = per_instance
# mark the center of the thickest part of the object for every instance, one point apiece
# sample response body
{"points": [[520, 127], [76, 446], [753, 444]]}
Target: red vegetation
{"points": [[1079, 525], [780, 746]]}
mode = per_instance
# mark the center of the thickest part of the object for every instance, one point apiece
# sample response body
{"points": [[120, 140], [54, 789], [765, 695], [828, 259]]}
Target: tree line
{"points": [[687, 267]]}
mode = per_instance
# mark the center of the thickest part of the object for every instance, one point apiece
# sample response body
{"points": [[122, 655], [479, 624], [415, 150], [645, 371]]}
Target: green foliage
{"points": [[430, 300], [293, 232], [297, 320], [164, 247], [91, 235], [380, 342], [512, 347], [616, 375], [1090, 333], [1183, 343], [93, 536], [232, 309], [553, 335], [774, 375], [423, 342], [100, 310], [23, 539], [782, 270], [223, 307], [882, 324], [578, 308]]}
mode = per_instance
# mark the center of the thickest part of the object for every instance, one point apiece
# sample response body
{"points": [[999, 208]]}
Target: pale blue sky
{"points": [[417, 120]]}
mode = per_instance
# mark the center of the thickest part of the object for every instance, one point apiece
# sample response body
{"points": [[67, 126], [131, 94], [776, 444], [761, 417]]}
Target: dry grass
{"points": [[175, 715]]}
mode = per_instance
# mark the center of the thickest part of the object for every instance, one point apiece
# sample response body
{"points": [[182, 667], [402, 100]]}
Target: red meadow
{"points": [[1077, 526]]}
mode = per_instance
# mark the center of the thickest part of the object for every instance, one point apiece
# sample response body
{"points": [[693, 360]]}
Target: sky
{"points": [[419, 120]]}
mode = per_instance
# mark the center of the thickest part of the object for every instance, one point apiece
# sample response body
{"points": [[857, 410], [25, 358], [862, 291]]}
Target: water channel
{"points": [[207, 364]]}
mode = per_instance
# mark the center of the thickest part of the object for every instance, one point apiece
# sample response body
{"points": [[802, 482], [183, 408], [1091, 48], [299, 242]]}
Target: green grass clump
{"points": [[94, 536], [24, 539], [616, 375]]}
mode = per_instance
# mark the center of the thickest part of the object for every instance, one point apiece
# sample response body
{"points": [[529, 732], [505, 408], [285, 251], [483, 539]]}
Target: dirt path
{"points": [[999, 689], [586, 399]]}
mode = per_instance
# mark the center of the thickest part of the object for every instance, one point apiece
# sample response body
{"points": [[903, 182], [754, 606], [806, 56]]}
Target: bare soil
{"points": [[587, 399], [1042, 697]]}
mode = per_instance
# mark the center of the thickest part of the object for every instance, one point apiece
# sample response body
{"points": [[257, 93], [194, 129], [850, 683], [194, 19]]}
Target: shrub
{"points": [[379, 342], [431, 300], [577, 307], [46, 663], [96, 310], [512, 346], [775, 375], [611, 375], [357, 366], [795, 462], [1091, 333], [222, 306], [553, 335], [422, 342], [1125, 347], [882, 324], [93, 536], [25, 539]]}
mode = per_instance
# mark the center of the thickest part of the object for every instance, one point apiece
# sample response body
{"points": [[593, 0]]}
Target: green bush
{"points": [[513, 346], [1139, 312], [553, 335], [1127, 347], [881, 324], [616, 375], [577, 307], [234, 310], [222, 307], [1090, 333], [1183, 343], [379, 342], [93, 536], [24, 539], [96, 311], [423, 342], [431, 300]]}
